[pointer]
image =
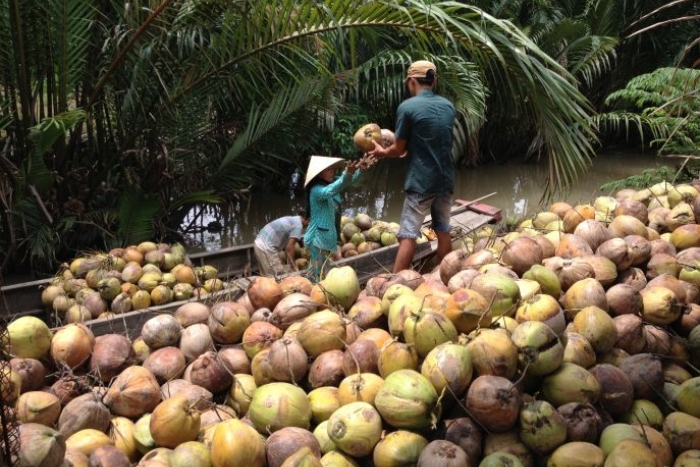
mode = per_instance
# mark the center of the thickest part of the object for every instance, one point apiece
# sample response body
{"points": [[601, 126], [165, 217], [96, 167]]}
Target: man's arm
{"points": [[398, 149], [291, 244]]}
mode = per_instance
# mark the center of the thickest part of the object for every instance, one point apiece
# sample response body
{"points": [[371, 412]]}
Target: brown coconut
{"points": [[208, 372], [623, 299], [83, 412], [583, 422], [616, 391], [645, 371], [361, 356], [631, 335], [465, 433], [281, 444], [327, 369], [166, 363], [493, 402]]}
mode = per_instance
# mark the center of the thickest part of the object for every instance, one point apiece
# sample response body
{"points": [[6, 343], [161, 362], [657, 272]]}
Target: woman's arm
{"points": [[348, 176]]}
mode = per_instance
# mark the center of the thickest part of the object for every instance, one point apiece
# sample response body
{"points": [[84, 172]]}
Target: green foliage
{"points": [[646, 179], [664, 102]]}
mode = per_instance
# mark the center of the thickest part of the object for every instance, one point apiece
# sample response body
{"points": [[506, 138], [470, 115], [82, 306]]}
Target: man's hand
{"points": [[378, 152]]}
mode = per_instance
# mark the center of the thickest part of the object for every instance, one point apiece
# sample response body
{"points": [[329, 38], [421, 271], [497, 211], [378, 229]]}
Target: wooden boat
{"points": [[237, 265]]}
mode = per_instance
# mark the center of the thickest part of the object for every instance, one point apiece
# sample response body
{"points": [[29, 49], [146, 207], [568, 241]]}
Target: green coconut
{"points": [[615, 433], [548, 280], [278, 405], [30, 337], [540, 351], [500, 290], [631, 453], [500, 459], [570, 383], [425, 331], [688, 399], [398, 448], [407, 400], [577, 454], [355, 428], [542, 427], [342, 285]]}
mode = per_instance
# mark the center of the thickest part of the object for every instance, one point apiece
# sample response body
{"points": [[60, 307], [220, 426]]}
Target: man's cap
{"points": [[419, 69], [318, 164]]}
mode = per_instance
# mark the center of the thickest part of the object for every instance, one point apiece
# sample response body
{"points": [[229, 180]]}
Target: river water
{"points": [[518, 187]]}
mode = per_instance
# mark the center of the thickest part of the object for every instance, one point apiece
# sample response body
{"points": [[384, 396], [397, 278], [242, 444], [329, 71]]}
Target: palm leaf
{"points": [[136, 213]]}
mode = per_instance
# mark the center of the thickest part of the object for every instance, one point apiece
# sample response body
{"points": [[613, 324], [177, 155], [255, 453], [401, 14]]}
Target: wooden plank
{"points": [[234, 261], [22, 296]]}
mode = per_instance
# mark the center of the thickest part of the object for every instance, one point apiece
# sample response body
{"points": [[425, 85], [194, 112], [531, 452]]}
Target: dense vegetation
{"points": [[116, 118]]}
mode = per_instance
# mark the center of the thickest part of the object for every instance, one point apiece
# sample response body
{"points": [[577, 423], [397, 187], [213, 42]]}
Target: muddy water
{"points": [[518, 189]]}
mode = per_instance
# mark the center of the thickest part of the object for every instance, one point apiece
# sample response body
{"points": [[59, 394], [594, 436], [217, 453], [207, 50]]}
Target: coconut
{"points": [[540, 351], [399, 447], [456, 261], [658, 340], [166, 363], [367, 312], [361, 356], [623, 299], [542, 428], [662, 246], [321, 332], [493, 402], [208, 372], [682, 431], [235, 443], [241, 393], [634, 277], [500, 458], [597, 327], [616, 390], [133, 393], [643, 412], [29, 337], [227, 322], [377, 285], [629, 453], [264, 292], [646, 374], [686, 236], [359, 387], [464, 433], [366, 136], [493, 353], [195, 340], [442, 453], [85, 411], [407, 400], [38, 407], [586, 292], [593, 232], [327, 369], [546, 278], [38, 446], [578, 350], [658, 444], [192, 313], [278, 405], [292, 308], [467, 310], [639, 247], [174, 421], [660, 305], [72, 345], [355, 428], [631, 333], [324, 401], [161, 331], [288, 360], [341, 286], [112, 354], [448, 366], [261, 369], [570, 383], [662, 263], [428, 330], [259, 336], [583, 423], [202, 398], [31, 373], [688, 398], [520, 254], [500, 291], [572, 246], [284, 443]]}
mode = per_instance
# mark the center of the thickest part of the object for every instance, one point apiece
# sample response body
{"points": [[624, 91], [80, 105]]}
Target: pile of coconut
{"points": [[574, 341]]}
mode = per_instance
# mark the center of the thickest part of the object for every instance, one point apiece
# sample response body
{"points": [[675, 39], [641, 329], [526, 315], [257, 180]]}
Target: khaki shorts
{"points": [[269, 261]]}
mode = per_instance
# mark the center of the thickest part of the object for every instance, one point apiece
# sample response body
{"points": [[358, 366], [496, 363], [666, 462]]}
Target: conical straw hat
{"points": [[318, 164]]}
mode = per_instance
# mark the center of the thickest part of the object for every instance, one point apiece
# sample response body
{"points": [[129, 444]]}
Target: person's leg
{"points": [[440, 213], [404, 257], [263, 263], [318, 258], [415, 208]]}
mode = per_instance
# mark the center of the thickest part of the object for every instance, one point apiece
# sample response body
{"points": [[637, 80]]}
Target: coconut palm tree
{"points": [[116, 118]]}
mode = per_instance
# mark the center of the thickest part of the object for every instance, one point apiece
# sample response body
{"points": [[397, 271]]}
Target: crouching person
{"points": [[280, 235]]}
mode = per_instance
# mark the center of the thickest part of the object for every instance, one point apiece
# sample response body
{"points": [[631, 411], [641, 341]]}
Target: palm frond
{"points": [[136, 214]]}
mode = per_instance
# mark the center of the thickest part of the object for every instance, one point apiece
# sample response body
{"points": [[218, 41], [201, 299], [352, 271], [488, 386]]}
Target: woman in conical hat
{"points": [[323, 206]]}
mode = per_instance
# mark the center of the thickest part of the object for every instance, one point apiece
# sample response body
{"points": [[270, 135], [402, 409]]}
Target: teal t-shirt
{"points": [[426, 121]]}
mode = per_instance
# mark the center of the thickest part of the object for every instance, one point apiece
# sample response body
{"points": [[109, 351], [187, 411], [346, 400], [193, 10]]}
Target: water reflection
{"points": [[519, 189]]}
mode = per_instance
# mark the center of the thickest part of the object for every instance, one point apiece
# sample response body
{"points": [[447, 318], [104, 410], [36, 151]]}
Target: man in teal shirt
{"points": [[424, 124]]}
